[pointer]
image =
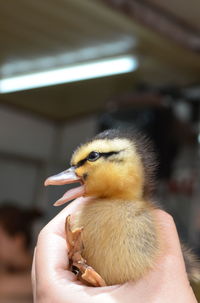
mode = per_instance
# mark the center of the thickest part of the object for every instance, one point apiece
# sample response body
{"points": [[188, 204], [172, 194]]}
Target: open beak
{"points": [[66, 177]]}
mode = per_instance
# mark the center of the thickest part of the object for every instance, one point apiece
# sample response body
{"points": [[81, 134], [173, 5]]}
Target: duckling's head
{"points": [[112, 165]]}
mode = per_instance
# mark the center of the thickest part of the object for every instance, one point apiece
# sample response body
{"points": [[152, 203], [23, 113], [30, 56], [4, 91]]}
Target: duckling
{"points": [[114, 238]]}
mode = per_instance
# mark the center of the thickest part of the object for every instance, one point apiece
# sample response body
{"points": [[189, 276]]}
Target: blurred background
{"points": [[149, 54]]}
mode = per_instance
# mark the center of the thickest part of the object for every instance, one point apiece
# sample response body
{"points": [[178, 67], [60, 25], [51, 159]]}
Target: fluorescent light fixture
{"points": [[76, 56], [95, 69]]}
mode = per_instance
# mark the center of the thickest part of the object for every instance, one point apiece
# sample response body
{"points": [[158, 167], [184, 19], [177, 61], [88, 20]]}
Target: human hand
{"points": [[52, 282]]}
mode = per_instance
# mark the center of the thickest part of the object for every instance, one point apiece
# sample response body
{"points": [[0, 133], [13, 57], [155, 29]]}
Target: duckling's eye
{"points": [[93, 156]]}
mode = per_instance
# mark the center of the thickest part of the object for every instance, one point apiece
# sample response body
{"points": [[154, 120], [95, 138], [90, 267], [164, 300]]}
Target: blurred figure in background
{"points": [[16, 252]]}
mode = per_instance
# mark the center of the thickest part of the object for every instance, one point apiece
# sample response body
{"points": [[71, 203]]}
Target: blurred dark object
{"points": [[16, 235], [151, 111], [155, 121], [196, 289], [16, 220]]}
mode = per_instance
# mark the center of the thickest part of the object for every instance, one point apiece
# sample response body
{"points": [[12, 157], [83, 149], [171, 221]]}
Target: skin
{"points": [[52, 282]]}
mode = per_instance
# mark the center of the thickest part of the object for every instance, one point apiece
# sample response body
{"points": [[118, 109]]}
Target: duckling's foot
{"points": [[77, 264]]}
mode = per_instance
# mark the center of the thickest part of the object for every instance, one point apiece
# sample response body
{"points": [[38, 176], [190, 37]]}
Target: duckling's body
{"points": [[119, 235], [119, 238]]}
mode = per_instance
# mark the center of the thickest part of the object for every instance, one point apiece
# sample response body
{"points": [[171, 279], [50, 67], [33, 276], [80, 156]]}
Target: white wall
{"points": [[75, 133], [18, 180], [32, 149], [25, 135]]}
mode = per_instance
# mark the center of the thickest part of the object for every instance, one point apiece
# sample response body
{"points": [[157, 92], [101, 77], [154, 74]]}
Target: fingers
{"points": [[167, 233], [170, 263], [51, 258]]}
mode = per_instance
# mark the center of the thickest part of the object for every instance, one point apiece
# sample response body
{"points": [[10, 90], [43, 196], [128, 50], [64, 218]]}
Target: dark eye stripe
{"points": [[108, 154], [81, 162], [105, 155]]}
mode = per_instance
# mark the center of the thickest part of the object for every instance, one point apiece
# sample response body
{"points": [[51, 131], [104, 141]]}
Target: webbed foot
{"points": [[77, 263]]}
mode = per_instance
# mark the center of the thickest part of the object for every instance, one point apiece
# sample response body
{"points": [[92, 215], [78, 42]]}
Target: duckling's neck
{"points": [[126, 195], [128, 189], [130, 193]]}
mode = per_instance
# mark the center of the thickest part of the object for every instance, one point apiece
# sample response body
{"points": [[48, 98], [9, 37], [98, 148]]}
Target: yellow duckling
{"points": [[115, 237]]}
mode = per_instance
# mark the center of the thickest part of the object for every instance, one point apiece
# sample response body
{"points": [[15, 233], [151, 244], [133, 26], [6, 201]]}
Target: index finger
{"points": [[51, 251]]}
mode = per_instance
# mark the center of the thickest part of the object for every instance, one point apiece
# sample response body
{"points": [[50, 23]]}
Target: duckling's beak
{"points": [[66, 177]]}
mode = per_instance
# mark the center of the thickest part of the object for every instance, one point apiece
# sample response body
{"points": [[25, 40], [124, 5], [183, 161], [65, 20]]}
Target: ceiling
{"points": [[186, 11], [37, 35]]}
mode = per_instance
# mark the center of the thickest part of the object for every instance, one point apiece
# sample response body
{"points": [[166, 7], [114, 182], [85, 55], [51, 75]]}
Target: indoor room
{"points": [[69, 70]]}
